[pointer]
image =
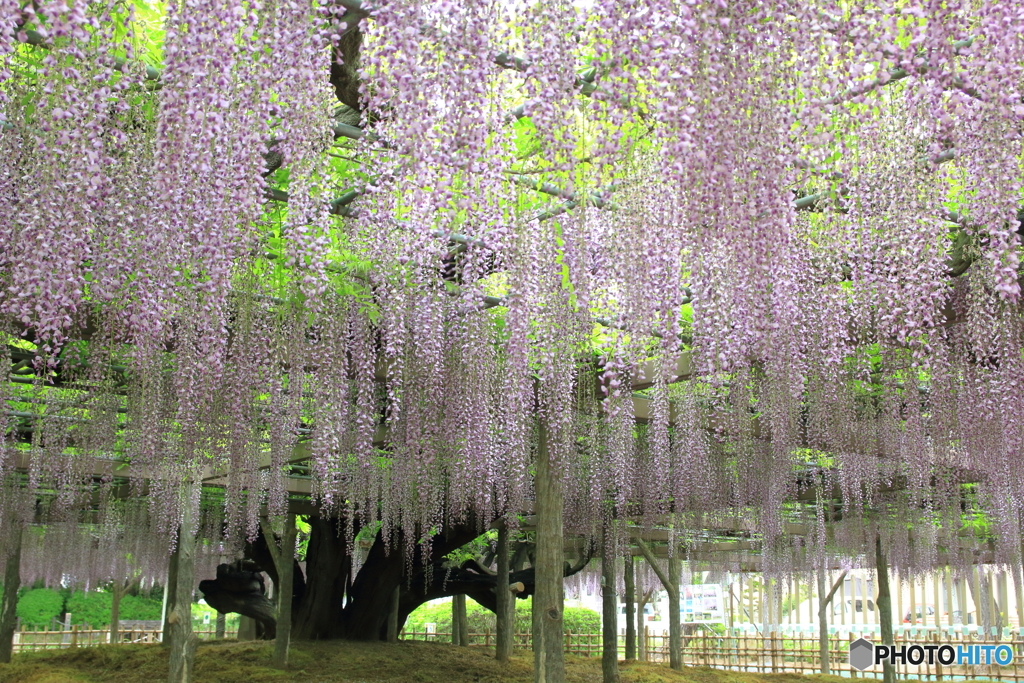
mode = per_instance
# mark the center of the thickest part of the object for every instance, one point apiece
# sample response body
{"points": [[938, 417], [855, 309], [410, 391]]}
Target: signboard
{"points": [[703, 603]]}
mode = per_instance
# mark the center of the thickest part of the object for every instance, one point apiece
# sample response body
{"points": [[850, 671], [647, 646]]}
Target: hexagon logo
{"points": [[862, 654]]}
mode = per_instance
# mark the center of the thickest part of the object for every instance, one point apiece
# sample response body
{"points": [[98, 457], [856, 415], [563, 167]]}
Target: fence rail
{"points": [[736, 650], [29, 640], [778, 652]]}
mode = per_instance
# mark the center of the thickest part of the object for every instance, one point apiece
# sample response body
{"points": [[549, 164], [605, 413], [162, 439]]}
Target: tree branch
{"points": [[651, 560], [898, 74], [835, 587]]}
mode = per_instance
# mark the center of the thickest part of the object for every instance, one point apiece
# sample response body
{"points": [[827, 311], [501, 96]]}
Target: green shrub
{"points": [[39, 606], [139, 607], [93, 608], [581, 620], [576, 619]]}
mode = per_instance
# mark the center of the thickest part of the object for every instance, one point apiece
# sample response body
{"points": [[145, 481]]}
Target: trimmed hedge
{"points": [[93, 608], [38, 607], [575, 619]]}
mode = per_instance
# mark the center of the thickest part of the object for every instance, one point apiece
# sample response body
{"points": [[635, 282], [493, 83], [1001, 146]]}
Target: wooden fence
{"points": [[736, 650], [27, 640], [780, 653]]}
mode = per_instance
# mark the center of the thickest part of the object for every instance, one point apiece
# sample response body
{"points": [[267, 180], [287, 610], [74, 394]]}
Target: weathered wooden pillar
{"points": [[675, 630], [460, 621], [609, 613], [9, 603], [505, 621], [456, 621], [393, 616], [630, 580], [823, 603], [117, 591], [641, 628], [178, 636], [822, 624], [981, 613], [464, 623], [170, 593], [671, 583], [884, 604], [1018, 595], [222, 625], [246, 628], [284, 558], [548, 597]]}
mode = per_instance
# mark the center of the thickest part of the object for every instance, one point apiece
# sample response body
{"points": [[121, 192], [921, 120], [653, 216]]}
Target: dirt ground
{"points": [[342, 662]]}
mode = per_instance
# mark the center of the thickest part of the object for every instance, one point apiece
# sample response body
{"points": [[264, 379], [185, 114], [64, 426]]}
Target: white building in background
{"points": [[936, 601]]}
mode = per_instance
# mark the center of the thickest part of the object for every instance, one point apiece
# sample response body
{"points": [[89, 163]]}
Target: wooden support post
{"points": [[1018, 598], [392, 616], [117, 590], [1001, 594], [671, 583], [9, 604], [641, 627], [609, 612], [179, 637], [975, 597], [284, 561], [853, 672], [463, 622], [823, 603], [961, 596], [731, 616], [458, 619], [630, 581], [246, 628], [949, 591], [761, 614], [675, 629], [913, 604], [884, 604], [170, 593], [506, 601], [750, 604], [794, 594], [548, 597], [842, 599], [221, 627], [899, 599], [455, 621]]}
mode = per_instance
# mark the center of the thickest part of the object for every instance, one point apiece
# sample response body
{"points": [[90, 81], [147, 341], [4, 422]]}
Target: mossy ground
{"points": [[342, 662]]}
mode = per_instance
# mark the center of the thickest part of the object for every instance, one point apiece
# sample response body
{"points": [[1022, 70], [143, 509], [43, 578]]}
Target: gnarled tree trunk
{"points": [[241, 591], [328, 573]]}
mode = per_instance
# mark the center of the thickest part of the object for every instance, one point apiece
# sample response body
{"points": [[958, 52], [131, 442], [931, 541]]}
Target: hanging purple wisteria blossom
{"points": [[741, 259]]}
